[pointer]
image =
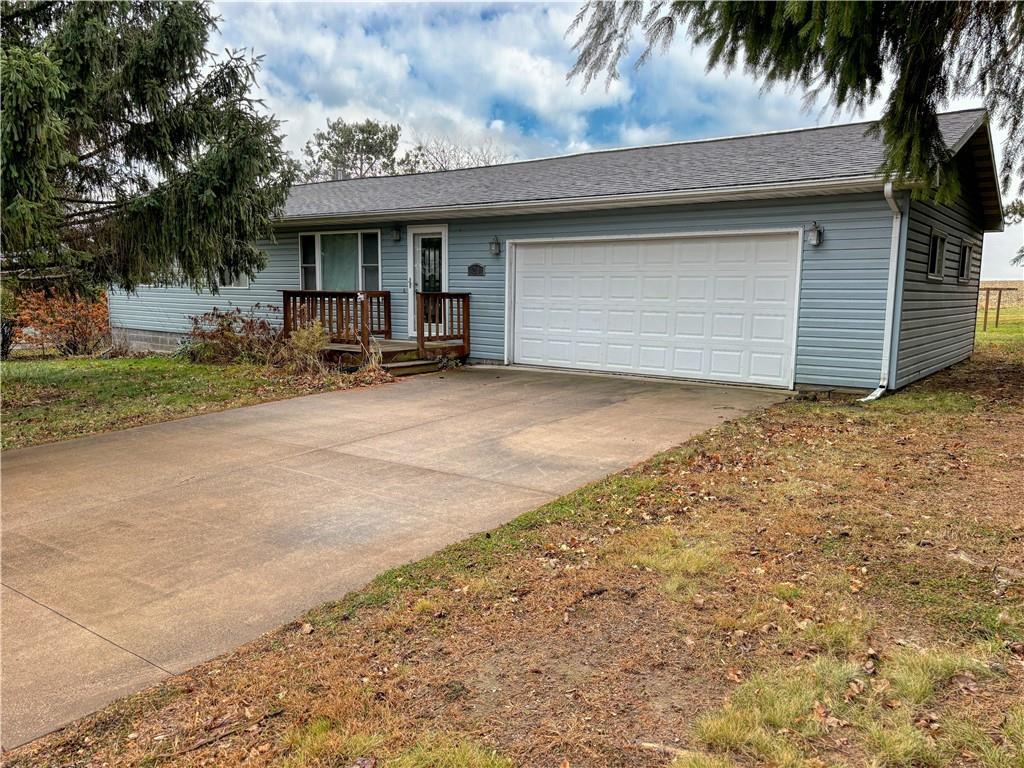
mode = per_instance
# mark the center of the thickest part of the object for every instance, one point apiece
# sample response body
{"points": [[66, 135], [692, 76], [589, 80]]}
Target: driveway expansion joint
{"points": [[87, 629]]}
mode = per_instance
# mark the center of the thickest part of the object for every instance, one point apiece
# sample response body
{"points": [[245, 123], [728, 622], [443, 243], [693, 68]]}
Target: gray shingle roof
{"points": [[813, 154]]}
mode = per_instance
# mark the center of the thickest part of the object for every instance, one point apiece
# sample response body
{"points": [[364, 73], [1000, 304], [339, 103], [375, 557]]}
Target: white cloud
{"points": [[498, 72]]}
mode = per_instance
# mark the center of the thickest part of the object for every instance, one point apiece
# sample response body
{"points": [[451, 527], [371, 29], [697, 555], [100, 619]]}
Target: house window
{"points": [[966, 259], [937, 255], [370, 261], [307, 250], [340, 261], [241, 281]]}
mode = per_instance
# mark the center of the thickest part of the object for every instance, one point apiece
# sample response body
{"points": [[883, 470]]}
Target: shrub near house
{"points": [[70, 325]]}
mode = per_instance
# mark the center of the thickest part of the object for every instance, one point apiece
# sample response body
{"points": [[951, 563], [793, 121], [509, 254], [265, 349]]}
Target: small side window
{"points": [[966, 260], [937, 255], [307, 262], [242, 281]]}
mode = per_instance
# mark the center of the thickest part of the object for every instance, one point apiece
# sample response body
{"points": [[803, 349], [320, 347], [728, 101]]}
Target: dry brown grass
{"points": [[848, 591]]}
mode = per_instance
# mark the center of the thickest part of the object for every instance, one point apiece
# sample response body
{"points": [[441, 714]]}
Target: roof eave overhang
{"points": [[983, 123], [849, 185]]}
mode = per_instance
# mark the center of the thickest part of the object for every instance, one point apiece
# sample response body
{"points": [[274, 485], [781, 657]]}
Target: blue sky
{"points": [[497, 72]]}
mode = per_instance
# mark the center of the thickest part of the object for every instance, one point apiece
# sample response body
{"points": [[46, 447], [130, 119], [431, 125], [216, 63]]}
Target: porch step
{"points": [[411, 367]]}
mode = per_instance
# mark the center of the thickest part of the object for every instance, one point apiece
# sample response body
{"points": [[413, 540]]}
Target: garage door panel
{"points": [[590, 321], [775, 253], [589, 354], [619, 356], [623, 287], [532, 288], [732, 251], [623, 254], [561, 287], [771, 289], [718, 308], [564, 255], [692, 288], [658, 254], [730, 288], [653, 358], [693, 253], [533, 319], [688, 361], [690, 324], [592, 288], [726, 327], [769, 328], [622, 321], [766, 366], [654, 323], [726, 362], [561, 320]]}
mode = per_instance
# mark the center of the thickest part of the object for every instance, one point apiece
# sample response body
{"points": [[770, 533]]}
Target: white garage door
{"points": [[719, 308]]}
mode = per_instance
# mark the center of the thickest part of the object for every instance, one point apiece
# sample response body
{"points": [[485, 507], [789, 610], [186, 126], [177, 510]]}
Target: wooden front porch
{"points": [[359, 321]]}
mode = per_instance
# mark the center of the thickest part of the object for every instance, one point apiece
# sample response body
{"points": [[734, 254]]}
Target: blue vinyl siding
{"points": [[169, 309], [842, 289], [937, 318]]}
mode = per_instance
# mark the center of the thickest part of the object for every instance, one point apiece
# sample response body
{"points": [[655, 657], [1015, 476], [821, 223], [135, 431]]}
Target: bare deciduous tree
{"points": [[440, 153]]}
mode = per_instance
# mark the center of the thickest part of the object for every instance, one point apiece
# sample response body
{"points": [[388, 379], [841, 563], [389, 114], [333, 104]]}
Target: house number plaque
{"points": [[477, 270]]}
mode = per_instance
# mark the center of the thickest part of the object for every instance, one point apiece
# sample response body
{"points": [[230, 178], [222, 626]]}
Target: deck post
{"points": [[465, 325], [287, 314], [387, 315], [364, 322], [421, 344]]}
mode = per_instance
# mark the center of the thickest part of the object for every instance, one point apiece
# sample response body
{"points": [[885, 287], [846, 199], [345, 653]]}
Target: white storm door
{"points": [[428, 264]]}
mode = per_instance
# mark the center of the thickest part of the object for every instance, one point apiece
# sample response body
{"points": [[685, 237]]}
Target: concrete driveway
{"points": [[137, 554]]}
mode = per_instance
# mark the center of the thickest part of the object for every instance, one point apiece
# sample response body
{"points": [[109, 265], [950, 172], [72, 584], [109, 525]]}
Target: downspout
{"points": [[890, 301]]}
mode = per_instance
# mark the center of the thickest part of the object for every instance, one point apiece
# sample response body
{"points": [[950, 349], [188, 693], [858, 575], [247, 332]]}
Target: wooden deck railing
{"points": [[349, 317], [442, 317]]}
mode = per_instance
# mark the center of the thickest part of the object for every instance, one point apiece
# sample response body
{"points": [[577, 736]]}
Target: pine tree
{"points": [[130, 154], [351, 150]]}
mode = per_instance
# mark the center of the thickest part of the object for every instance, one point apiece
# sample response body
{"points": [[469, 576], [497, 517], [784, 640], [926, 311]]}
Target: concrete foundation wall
{"points": [[141, 340]]}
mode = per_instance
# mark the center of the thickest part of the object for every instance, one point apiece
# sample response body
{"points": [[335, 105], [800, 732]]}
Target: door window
{"points": [[431, 270]]}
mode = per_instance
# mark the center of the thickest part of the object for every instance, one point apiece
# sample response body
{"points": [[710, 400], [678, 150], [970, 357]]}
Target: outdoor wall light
{"points": [[814, 233], [495, 246], [396, 232]]}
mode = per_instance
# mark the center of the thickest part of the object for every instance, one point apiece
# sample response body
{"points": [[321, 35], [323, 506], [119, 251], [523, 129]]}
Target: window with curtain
{"points": [[340, 261]]}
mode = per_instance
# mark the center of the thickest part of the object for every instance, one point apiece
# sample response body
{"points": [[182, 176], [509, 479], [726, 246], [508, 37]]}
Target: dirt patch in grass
{"points": [[50, 399], [819, 584]]}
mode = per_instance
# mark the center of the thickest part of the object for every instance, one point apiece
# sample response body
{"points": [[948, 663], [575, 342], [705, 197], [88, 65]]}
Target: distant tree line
{"points": [[358, 150]]}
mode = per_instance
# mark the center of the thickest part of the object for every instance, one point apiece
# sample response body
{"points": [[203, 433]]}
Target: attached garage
{"points": [[716, 307]]}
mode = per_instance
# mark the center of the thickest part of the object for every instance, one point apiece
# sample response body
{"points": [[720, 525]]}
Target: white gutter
{"points": [[747, 192], [890, 301]]}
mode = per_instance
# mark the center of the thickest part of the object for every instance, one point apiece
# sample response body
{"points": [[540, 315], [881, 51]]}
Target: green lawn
{"points": [[45, 400], [1009, 332]]}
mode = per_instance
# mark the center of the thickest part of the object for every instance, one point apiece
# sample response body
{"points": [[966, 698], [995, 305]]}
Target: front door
{"points": [[428, 268]]}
